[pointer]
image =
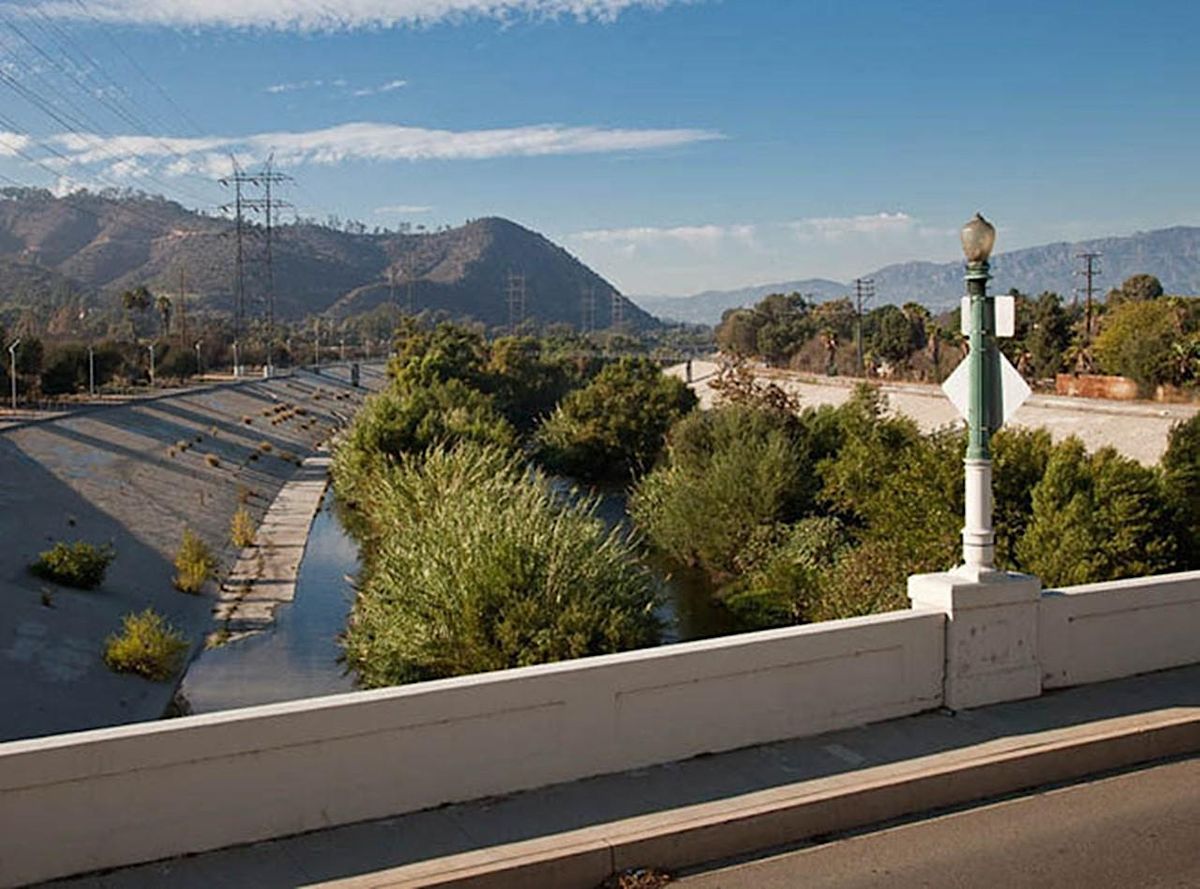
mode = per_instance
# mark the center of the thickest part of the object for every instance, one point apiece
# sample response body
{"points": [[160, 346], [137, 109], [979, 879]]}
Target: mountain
{"points": [[706, 307], [94, 246], [1172, 254]]}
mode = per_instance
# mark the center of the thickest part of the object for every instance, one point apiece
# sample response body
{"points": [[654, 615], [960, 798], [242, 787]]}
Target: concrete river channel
{"points": [[298, 657]]}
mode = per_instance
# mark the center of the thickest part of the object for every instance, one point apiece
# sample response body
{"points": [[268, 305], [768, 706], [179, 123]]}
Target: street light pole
{"points": [[91, 372], [199, 368], [12, 355], [151, 348], [984, 403]]}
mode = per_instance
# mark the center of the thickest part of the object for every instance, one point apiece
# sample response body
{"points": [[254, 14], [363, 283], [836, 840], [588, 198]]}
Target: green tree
{"points": [[1049, 335], [1097, 517], [1137, 338], [615, 426], [1181, 479], [1136, 288]]}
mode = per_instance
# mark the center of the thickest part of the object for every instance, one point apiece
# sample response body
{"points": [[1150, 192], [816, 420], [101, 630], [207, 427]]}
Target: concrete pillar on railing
{"points": [[991, 633]]}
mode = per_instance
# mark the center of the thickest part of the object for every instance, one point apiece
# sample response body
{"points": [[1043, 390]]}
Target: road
{"points": [[1140, 829]]}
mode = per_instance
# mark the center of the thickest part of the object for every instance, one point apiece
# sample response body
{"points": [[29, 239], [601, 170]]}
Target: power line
{"points": [[236, 180], [515, 294]]}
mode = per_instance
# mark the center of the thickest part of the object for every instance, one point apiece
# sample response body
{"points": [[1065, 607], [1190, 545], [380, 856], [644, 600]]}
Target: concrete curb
{"points": [[695, 835]]}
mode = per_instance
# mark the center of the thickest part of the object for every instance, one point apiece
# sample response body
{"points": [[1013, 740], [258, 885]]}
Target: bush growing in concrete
{"points": [[241, 528], [79, 564], [147, 645], [195, 564], [474, 564]]}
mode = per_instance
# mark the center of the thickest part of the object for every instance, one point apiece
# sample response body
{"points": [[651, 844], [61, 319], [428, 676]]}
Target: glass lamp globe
{"points": [[978, 238]]}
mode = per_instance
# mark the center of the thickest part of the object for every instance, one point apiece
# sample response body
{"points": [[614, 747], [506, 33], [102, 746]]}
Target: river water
{"points": [[299, 656]]}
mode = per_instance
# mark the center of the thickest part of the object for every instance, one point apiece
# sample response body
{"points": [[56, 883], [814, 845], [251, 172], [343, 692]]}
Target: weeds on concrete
{"points": [[265, 447], [241, 528], [195, 564], [147, 645], [81, 565], [212, 460]]}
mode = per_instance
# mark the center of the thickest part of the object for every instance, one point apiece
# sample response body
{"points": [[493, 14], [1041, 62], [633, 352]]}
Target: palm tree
{"points": [[138, 299], [163, 304]]}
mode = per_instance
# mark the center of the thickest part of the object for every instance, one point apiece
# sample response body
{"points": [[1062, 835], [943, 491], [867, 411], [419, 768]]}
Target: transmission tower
{"points": [[618, 310], [515, 296], [588, 315], [235, 181], [266, 178], [864, 292], [1088, 273]]}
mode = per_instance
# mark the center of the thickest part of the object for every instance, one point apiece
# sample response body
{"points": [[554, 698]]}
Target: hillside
{"points": [[94, 246], [1173, 254]]}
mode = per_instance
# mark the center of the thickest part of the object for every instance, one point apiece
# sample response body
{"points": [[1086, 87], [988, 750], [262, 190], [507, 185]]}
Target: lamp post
{"points": [[199, 367], [984, 400], [151, 348], [237, 368], [91, 372], [12, 356]]}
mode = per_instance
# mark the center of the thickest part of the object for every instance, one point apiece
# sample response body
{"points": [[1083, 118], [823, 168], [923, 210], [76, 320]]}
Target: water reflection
{"points": [[298, 657]]}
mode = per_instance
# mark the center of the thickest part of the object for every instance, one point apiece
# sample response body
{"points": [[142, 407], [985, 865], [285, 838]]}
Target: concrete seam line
{"points": [[712, 831]]}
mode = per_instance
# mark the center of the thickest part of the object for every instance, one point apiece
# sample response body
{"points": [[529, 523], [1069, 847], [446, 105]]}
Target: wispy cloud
{"points": [[344, 15], [695, 236], [833, 227], [390, 86], [368, 142], [401, 210]]}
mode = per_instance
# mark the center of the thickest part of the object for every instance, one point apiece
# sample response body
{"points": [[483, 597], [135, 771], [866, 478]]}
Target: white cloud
{"points": [[12, 144], [344, 15], [833, 227], [694, 236], [400, 210], [277, 88], [388, 87]]}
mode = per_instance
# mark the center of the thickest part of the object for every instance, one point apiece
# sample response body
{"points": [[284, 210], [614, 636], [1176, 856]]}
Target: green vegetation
{"points": [[195, 564], [615, 426], [79, 564], [242, 528], [825, 514], [473, 564], [147, 645], [1138, 333]]}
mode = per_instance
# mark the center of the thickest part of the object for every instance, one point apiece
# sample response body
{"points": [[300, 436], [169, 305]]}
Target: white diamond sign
{"points": [[1014, 391]]}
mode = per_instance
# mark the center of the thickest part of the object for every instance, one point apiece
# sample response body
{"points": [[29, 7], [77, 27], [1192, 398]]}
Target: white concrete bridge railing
{"points": [[100, 799]]}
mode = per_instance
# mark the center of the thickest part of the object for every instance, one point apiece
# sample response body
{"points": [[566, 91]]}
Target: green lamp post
{"points": [[984, 402]]}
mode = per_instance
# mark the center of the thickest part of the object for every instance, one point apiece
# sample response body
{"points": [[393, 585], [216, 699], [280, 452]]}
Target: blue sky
{"points": [[675, 146]]}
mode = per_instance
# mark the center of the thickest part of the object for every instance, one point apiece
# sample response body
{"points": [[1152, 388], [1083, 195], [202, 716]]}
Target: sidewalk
{"points": [[672, 815]]}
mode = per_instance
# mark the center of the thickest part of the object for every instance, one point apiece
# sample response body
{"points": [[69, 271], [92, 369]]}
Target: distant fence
{"points": [[111, 797]]}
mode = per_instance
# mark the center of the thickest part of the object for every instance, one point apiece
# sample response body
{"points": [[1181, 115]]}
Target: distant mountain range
{"points": [[57, 254], [1172, 254]]}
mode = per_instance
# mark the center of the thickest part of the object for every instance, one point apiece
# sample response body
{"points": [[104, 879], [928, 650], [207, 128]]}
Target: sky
{"points": [[673, 145]]}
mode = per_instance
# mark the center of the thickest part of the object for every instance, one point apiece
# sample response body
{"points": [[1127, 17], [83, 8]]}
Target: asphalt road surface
{"points": [[1140, 829]]}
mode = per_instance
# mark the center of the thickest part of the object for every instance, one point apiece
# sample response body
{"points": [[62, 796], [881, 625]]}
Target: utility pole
{"points": [[1088, 273], [864, 292], [410, 280], [618, 310], [588, 322], [236, 180], [516, 301]]}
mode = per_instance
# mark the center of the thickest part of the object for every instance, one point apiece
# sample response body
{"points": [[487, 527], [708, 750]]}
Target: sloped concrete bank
{"points": [[135, 476]]}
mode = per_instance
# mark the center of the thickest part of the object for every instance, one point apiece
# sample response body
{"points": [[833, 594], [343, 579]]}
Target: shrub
{"points": [[241, 528], [79, 564], [147, 645], [265, 447], [473, 563], [1098, 517], [1181, 478], [195, 564], [615, 426], [728, 472]]}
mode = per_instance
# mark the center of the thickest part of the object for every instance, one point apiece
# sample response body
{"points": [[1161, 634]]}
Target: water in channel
{"points": [[298, 656]]}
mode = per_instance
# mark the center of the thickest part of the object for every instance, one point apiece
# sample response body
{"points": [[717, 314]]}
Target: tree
{"points": [[1137, 338], [1097, 517], [1136, 288], [137, 300], [891, 334], [615, 426], [1048, 337], [1181, 478], [163, 305]]}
